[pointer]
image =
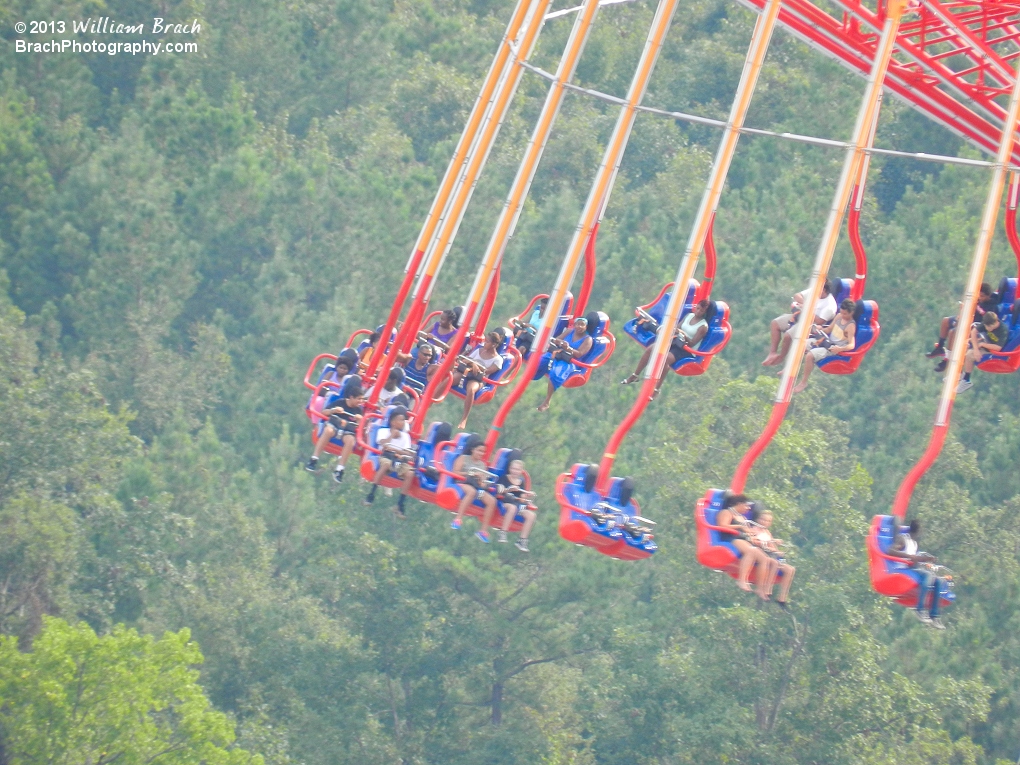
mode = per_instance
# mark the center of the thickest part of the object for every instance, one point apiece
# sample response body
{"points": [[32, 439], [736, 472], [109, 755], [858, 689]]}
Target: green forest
{"points": [[180, 235]]}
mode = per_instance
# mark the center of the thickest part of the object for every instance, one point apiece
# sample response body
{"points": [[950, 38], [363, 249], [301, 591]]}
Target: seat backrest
{"points": [[886, 532], [865, 315], [501, 461], [1007, 295], [1013, 341], [508, 337], [597, 323], [436, 434], [844, 288], [717, 324]]}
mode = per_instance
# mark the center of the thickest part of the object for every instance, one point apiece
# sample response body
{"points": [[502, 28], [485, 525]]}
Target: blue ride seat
{"points": [[592, 520], [644, 333], [428, 476], [1007, 297], [843, 289], [500, 464], [577, 371], [867, 332], [511, 364], [715, 340], [561, 322], [449, 493]]}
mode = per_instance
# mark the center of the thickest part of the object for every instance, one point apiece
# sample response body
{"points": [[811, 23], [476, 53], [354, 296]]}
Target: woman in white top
{"points": [[686, 338], [397, 454], [482, 362]]}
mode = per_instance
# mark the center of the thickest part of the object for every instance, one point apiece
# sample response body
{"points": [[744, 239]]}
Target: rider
{"points": [[986, 336], [510, 489], [905, 547], [471, 473], [444, 329], [482, 362], [687, 337], [397, 456], [987, 301], [419, 365], [572, 343], [834, 338], [825, 311], [391, 388], [762, 538], [733, 518], [344, 411], [524, 334]]}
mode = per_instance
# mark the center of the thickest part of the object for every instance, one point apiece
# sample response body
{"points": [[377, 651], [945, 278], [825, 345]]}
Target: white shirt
{"points": [[385, 396], [826, 308], [488, 365], [909, 545], [400, 440], [690, 326]]}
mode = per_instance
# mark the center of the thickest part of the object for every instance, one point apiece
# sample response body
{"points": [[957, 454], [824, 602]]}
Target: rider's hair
{"points": [[914, 526], [733, 500]]}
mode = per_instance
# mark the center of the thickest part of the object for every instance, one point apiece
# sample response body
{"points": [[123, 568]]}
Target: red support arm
{"points": [[398, 305], [490, 301], [902, 500], [609, 456], [1011, 204], [853, 227], [740, 476], [589, 274], [705, 288]]}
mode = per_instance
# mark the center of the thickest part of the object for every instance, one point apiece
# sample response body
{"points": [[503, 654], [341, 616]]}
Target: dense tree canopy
{"points": [[180, 235]]}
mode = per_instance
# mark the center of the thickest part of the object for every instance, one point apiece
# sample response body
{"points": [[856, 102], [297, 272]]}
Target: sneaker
{"points": [[338, 473], [502, 536], [937, 623], [456, 524], [483, 536], [922, 617], [938, 352], [522, 545], [964, 385], [399, 511], [313, 465], [388, 491], [941, 366]]}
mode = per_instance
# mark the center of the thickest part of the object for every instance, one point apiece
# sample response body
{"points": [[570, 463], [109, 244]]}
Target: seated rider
{"points": [[524, 334], [419, 365], [444, 329], [365, 354], [480, 363], [391, 388], [825, 311], [986, 336], [473, 477], [834, 338], [920, 563], [572, 342], [511, 493], [987, 301], [762, 538], [344, 410], [397, 456], [687, 336], [733, 518]]}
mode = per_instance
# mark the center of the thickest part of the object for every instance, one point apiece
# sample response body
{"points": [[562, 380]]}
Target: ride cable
{"points": [[967, 307], [863, 135], [445, 228], [511, 210], [583, 240]]}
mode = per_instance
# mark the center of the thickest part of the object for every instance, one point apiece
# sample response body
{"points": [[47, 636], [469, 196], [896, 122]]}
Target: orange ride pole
{"points": [[594, 208], [460, 155], [753, 61], [977, 271], [511, 209], [446, 226], [861, 141]]}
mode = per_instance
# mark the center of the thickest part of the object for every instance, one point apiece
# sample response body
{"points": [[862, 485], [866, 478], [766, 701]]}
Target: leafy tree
{"points": [[123, 697]]}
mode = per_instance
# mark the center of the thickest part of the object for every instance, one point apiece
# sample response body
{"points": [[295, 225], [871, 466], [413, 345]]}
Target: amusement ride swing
{"points": [[713, 545], [890, 576], [597, 509]]}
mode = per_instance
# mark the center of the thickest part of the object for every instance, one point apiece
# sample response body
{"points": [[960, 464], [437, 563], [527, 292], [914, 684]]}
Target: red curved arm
{"points": [[350, 340], [312, 366], [529, 309], [722, 344], [441, 396], [561, 498], [658, 297], [1011, 205], [431, 317], [413, 395], [318, 392], [515, 367], [601, 359], [359, 434]]}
